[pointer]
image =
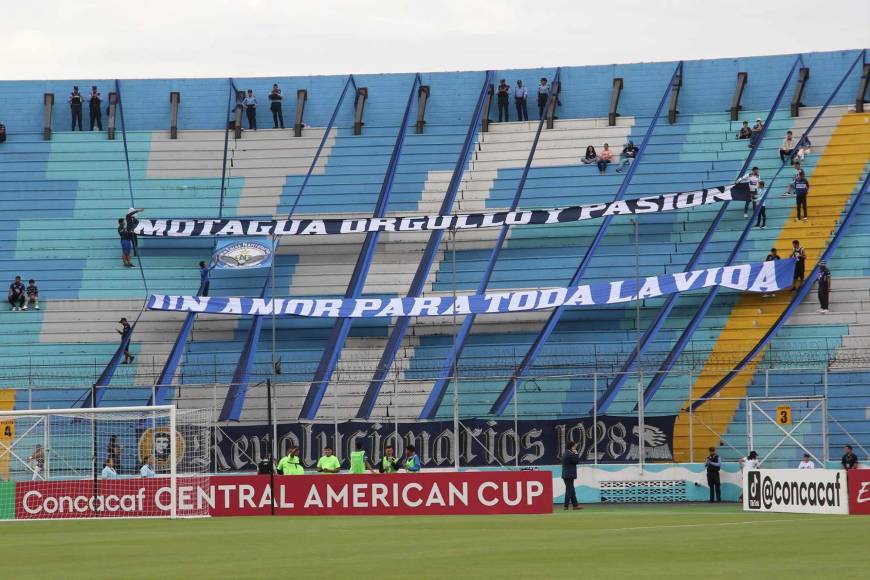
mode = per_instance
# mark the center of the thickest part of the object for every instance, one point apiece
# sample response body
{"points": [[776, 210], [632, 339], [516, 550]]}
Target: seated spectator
{"points": [[629, 152], [2, 132], [788, 145], [591, 156], [745, 131], [109, 470], [803, 149], [605, 158], [756, 133], [32, 295], [16, 294]]}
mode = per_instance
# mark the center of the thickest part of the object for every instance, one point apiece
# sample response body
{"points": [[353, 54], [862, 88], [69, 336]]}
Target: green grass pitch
{"points": [[677, 542]]}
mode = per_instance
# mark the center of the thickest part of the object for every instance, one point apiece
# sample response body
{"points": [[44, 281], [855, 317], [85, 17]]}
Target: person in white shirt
{"points": [[109, 470], [753, 178], [807, 463], [521, 99], [146, 469], [250, 103], [750, 462], [788, 145]]}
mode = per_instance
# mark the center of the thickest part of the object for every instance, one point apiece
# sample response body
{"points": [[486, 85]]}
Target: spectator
{"points": [[203, 279], [108, 470], [745, 131], [32, 295], [761, 220], [76, 99], [359, 461], [801, 189], [412, 460], [126, 243], [750, 462], [772, 256], [604, 159], [113, 452], [752, 179], [329, 463], [803, 149], [800, 257], [125, 331], [146, 470], [713, 465], [789, 189], [503, 99], [16, 294], [787, 147], [2, 133], [806, 463], [756, 133], [390, 463], [275, 99], [521, 100], [95, 113], [824, 280], [289, 464], [131, 222], [850, 460], [36, 462], [250, 103], [629, 152], [570, 460], [590, 156], [543, 95]]}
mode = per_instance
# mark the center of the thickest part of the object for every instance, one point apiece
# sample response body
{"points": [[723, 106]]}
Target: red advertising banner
{"points": [[859, 491], [444, 493]]}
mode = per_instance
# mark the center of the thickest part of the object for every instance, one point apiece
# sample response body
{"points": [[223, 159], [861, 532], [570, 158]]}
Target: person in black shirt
{"points": [[275, 98], [203, 279], [713, 465], [94, 111], [113, 452], [543, 96], [76, 99], [32, 295], [629, 152], [570, 460], [801, 257], [773, 255], [125, 331], [131, 222], [126, 243], [824, 280], [503, 99], [16, 294], [801, 189], [850, 460], [745, 131]]}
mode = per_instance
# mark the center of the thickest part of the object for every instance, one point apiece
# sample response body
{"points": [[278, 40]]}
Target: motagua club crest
{"points": [[156, 443], [243, 254]]}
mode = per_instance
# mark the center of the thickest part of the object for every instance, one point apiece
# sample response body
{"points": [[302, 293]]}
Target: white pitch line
{"points": [[707, 525]]}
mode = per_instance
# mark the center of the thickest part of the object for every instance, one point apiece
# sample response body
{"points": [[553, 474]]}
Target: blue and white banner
{"points": [[186, 228], [242, 254], [760, 277]]}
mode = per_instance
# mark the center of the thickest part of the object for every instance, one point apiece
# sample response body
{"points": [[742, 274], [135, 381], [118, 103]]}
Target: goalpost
{"points": [[148, 461]]}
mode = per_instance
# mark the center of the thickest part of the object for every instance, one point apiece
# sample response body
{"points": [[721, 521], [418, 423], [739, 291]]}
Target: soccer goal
{"points": [[150, 461]]}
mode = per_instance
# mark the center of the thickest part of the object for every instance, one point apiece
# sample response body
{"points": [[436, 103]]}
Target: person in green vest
{"points": [[412, 460], [290, 464], [359, 461], [390, 463], [329, 463]]}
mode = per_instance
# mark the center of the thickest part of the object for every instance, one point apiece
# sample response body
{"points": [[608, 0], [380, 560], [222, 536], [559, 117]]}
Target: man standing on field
{"points": [[713, 465], [570, 460]]}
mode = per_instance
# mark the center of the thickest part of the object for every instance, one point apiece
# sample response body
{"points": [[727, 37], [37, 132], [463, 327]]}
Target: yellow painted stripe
{"points": [[838, 170], [7, 430]]}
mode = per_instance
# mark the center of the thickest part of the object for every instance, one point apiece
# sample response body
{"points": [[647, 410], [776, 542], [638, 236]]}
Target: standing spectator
{"points": [[756, 133], [503, 99], [543, 95], [32, 295], [772, 256], [824, 280], [521, 100], [806, 463], [250, 103], [411, 461], [290, 464], [787, 147], [125, 331], [604, 159], [629, 152], [76, 99], [745, 131], [131, 222], [203, 279], [750, 462], [36, 462], [275, 99], [329, 463], [713, 465], [800, 257], [389, 463], [570, 460], [761, 220], [789, 189], [94, 111], [109, 470], [126, 243], [850, 460], [113, 452], [146, 470], [591, 156], [801, 189], [16, 294], [753, 178]]}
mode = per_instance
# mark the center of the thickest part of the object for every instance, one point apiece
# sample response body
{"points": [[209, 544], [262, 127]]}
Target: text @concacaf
{"points": [[794, 493]]}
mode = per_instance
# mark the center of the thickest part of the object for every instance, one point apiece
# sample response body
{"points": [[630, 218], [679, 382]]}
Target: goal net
{"points": [[104, 462]]}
